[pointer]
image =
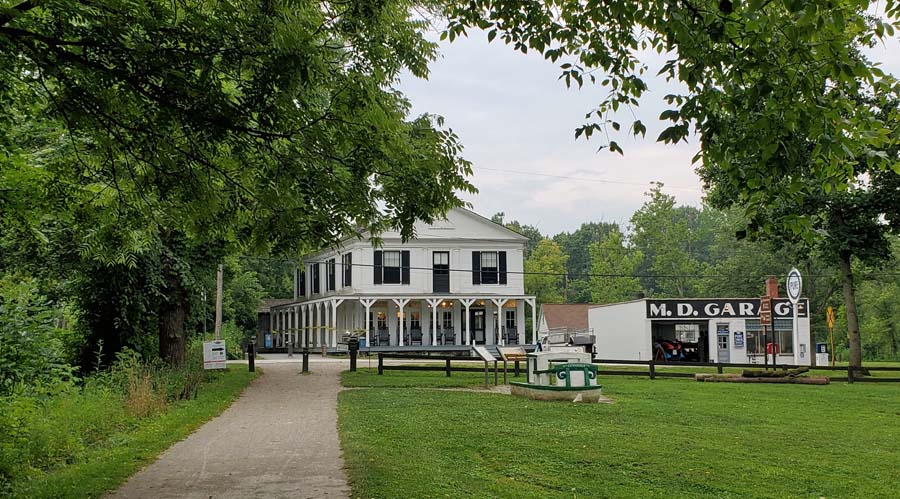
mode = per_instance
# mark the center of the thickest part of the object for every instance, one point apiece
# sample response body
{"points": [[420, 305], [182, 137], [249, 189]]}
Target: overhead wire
{"points": [[571, 275]]}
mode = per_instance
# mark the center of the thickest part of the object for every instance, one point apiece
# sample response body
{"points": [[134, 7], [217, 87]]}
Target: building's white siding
{"points": [[622, 331], [461, 234]]}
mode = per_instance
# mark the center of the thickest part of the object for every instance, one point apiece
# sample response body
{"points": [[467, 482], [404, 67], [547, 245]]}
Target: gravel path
{"points": [[279, 439]]}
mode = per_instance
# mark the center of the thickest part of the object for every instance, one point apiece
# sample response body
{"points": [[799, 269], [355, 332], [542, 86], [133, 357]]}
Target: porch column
{"points": [[401, 303], [280, 329], [317, 334], [302, 331], [434, 302], [368, 305], [534, 324], [326, 320], [467, 302], [295, 319], [334, 307], [501, 321]]}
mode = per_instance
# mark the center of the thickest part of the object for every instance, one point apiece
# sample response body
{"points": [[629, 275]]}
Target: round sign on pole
{"points": [[794, 285]]}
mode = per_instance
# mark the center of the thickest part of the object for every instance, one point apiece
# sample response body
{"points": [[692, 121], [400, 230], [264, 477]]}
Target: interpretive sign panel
{"points": [[484, 354], [214, 354]]}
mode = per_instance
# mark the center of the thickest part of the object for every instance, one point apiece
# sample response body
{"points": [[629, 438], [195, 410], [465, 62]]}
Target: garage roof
{"points": [[569, 315]]}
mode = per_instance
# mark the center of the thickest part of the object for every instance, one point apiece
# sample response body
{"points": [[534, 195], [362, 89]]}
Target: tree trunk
{"points": [[852, 317], [172, 309]]}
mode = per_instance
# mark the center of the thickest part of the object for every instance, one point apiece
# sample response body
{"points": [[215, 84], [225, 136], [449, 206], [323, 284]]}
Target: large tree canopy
{"points": [[272, 121], [763, 63], [150, 132]]}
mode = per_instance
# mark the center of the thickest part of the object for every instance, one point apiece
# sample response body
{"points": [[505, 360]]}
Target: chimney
{"points": [[772, 286]]}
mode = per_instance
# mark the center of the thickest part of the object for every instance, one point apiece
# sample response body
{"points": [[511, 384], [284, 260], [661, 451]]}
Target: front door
{"points": [[723, 334], [441, 271], [477, 318]]}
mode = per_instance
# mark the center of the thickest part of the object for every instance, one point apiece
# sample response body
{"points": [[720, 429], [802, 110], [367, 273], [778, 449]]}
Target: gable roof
{"points": [[568, 315], [492, 223]]}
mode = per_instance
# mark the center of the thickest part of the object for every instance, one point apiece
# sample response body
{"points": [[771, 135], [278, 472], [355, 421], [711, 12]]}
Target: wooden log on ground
{"points": [[756, 373], [704, 376], [798, 380]]}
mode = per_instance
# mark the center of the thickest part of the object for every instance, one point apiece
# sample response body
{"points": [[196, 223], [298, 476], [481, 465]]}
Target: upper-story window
{"points": [[391, 267], [488, 267], [347, 274], [330, 271], [301, 283], [315, 284]]}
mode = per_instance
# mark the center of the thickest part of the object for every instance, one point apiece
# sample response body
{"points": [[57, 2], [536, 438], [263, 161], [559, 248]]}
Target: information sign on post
{"points": [[214, 354], [765, 311]]}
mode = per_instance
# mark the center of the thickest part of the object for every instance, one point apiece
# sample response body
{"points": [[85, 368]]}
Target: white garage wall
{"points": [[622, 330]]}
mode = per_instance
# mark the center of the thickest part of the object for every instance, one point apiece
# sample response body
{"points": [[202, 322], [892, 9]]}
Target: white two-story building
{"points": [[458, 283]]}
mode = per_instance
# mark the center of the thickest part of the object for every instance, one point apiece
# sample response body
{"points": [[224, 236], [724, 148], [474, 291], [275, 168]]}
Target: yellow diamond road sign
{"points": [[829, 313]]}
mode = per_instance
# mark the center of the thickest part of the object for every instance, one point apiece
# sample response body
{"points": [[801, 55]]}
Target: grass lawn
{"points": [[108, 465], [662, 438]]}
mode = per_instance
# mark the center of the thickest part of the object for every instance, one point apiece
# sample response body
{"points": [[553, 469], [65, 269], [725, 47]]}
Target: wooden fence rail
{"points": [[652, 371], [447, 367]]}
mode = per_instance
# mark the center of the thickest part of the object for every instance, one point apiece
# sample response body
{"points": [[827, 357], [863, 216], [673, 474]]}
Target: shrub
{"points": [[31, 354], [235, 340]]}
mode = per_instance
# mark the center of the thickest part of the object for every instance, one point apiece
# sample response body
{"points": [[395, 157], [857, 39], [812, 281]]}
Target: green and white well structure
{"points": [[560, 375]]}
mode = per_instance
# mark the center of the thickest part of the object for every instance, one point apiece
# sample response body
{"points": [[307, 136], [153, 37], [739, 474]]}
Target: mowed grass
{"points": [[661, 438], [109, 464]]}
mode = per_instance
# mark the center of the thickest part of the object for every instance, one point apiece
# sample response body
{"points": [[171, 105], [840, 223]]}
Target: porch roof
{"points": [[408, 296]]}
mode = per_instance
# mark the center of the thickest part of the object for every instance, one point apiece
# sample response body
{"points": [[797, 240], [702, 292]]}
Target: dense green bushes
{"points": [[32, 354], [40, 431]]}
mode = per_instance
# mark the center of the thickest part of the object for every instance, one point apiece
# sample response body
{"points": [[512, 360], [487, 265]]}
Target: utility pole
{"points": [[219, 303], [205, 309]]}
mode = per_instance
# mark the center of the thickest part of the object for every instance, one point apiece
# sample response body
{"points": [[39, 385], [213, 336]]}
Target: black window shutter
{"points": [[348, 271], [332, 269], [302, 283], [476, 267], [377, 267], [404, 267], [501, 267]]}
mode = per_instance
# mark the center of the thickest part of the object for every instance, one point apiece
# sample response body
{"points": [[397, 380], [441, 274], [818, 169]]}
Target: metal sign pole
{"points": [[794, 290]]}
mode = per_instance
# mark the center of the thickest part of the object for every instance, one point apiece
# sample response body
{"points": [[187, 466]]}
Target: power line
{"points": [[591, 274], [585, 179]]}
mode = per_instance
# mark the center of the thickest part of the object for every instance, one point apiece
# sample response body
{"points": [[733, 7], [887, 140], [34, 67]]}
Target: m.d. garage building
{"points": [[701, 330]]}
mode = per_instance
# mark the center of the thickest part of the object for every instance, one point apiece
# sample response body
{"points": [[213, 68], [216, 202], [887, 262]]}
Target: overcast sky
{"points": [[517, 123]]}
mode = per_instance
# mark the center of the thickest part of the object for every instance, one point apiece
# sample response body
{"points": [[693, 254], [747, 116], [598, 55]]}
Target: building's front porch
{"points": [[408, 322]]}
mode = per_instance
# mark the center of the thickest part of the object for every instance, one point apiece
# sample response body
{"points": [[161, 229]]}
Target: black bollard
{"points": [[353, 347], [306, 360], [251, 356]]}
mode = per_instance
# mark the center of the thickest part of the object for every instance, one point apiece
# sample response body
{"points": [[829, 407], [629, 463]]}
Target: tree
{"points": [[848, 224], [763, 64], [544, 272], [578, 266], [662, 233], [531, 232], [266, 127], [613, 267]]}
